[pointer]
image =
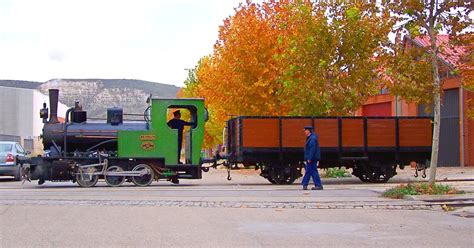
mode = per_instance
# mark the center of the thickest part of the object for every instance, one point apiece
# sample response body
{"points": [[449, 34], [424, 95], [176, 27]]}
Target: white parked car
{"points": [[12, 158]]}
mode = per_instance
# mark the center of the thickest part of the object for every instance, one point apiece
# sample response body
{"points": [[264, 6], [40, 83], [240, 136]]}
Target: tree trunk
{"points": [[436, 130], [436, 96]]}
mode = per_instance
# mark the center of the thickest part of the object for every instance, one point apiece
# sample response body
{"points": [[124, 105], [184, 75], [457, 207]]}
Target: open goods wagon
{"points": [[372, 146]]}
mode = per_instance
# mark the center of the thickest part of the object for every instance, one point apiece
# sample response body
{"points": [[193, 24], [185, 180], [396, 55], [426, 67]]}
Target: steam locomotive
{"points": [[139, 152]]}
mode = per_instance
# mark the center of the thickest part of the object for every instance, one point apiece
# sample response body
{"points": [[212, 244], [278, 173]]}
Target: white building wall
{"points": [[19, 113], [38, 100]]}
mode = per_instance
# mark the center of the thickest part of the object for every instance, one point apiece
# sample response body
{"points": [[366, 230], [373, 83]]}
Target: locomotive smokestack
{"points": [[53, 104]]}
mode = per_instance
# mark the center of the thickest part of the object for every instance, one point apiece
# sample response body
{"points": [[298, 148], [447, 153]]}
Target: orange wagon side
{"points": [[372, 146]]}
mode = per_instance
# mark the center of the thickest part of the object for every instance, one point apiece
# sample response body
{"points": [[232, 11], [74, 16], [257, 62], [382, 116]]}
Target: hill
{"points": [[96, 95], [20, 84]]}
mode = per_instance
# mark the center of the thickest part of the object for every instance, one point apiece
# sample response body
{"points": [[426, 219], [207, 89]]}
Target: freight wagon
{"points": [[372, 146]]}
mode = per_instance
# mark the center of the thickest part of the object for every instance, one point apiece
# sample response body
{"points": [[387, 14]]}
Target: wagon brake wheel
{"points": [[114, 181], [85, 177], [146, 178]]}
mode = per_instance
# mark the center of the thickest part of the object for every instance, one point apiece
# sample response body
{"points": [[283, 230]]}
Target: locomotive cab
{"points": [[160, 142]]}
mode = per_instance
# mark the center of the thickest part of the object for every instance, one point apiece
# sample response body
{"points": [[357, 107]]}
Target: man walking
{"points": [[312, 155]]}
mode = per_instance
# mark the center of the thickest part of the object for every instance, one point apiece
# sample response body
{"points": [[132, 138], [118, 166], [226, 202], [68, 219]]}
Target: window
{"points": [[188, 114], [19, 149], [6, 147]]}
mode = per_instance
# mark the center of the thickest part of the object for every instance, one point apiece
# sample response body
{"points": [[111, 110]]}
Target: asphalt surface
{"points": [[244, 212]]}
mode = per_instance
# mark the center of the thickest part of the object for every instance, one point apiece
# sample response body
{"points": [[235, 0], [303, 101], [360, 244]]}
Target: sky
{"points": [[153, 40]]}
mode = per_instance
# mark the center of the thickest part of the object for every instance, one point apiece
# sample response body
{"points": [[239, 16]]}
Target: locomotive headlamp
{"points": [[44, 113]]}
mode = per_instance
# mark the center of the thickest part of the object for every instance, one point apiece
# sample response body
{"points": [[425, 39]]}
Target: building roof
{"points": [[451, 54]]}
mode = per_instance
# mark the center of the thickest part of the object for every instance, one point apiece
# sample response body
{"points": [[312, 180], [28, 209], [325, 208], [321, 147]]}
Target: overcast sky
{"points": [[154, 40]]}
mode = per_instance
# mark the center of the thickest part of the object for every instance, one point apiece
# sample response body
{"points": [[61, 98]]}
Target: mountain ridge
{"points": [[96, 95]]}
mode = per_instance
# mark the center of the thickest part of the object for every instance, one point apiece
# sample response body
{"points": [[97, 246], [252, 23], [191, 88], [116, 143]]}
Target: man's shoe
{"points": [[317, 188], [305, 187]]}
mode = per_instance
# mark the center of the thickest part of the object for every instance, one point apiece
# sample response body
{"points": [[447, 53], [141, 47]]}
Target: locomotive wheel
{"points": [[146, 179], [85, 178], [114, 181]]}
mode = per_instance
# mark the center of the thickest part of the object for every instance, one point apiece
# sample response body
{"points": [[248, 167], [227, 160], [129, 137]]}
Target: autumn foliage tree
{"points": [[241, 76], [291, 58], [467, 71], [415, 76], [331, 62], [194, 88]]}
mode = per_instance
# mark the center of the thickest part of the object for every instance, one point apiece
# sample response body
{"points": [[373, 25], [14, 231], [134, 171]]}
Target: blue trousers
{"points": [[311, 170]]}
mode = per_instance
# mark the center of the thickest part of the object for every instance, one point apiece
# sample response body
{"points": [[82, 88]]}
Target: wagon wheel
{"points": [[114, 181], [146, 178], [281, 176], [374, 173], [270, 179], [85, 177], [379, 176], [365, 178]]}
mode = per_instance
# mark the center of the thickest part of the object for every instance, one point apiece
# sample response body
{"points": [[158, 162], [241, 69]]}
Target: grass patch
{"points": [[420, 189], [336, 173]]}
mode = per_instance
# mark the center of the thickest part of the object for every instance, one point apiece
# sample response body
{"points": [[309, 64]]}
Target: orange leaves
{"points": [[291, 58], [467, 70], [410, 66], [331, 57], [244, 72], [410, 75]]}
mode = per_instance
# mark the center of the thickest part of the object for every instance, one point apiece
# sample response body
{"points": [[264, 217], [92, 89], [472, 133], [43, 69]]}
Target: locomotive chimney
{"points": [[53, 104]]}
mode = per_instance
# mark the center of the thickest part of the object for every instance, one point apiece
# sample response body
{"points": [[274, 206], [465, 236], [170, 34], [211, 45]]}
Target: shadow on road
{"points": [[7, 179]]}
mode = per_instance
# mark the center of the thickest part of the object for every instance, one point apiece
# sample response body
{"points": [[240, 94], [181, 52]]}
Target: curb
{"points": [[435, 198], [467, 212]]}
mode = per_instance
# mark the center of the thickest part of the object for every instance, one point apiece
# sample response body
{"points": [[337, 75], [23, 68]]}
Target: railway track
{"points": [[380, 205]]}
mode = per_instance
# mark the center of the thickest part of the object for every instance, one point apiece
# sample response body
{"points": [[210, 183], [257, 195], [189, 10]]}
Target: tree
{"points": [[292, 57], [467, 71], [241, 76], [332, 63], [427, 17], [195, 87]]}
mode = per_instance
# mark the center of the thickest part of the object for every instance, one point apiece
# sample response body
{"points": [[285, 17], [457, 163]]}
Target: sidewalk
{"points": [[442, 174]]}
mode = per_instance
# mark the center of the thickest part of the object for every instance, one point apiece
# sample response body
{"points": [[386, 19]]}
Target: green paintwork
{"points": [[166, 139]]}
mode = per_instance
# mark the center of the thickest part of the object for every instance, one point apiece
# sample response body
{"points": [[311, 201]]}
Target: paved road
{"points": [[213, 212]]}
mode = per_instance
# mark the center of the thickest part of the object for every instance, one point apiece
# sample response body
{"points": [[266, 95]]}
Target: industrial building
{"points": [[19, 116], [456, 147]]}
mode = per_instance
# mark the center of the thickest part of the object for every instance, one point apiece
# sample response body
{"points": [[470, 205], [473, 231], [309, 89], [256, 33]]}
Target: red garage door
{"points": [[377, 109]]}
